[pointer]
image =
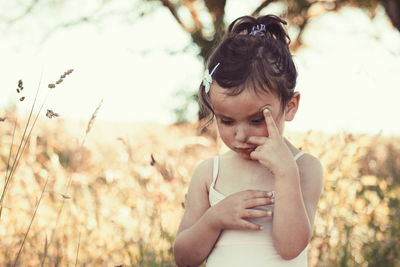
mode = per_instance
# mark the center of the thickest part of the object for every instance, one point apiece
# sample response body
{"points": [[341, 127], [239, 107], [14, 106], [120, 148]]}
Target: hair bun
{"points": [[269, 26]]}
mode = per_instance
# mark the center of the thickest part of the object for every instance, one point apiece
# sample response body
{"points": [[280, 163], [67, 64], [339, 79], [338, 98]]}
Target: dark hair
{"points": [[259, 59]]}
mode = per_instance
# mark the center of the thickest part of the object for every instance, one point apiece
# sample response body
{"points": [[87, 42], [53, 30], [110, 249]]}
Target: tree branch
{"points": [[197, 23], [172, 8], [95, 16], [392, 8], [297, 42], [26, 12], [261, 7], [217, 12]]}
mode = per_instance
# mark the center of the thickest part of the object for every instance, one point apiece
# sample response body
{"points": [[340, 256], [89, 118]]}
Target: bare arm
{"points": [[193, 245], [296, 198], [295, 206], [196, 234]]}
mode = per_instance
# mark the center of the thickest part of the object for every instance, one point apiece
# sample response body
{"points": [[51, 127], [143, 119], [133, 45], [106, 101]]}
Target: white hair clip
{"points": [[207, 80], [258, 29]]}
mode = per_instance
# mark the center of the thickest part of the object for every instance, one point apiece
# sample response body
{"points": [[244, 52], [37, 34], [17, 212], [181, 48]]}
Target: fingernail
{"points": [[261, 228], [269, 194], [269, 213]]}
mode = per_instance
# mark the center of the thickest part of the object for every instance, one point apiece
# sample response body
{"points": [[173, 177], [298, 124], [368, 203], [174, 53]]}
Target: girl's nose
{"points": [[240, 133]]}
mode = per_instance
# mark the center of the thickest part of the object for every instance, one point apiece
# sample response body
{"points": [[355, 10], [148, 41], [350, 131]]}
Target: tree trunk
{"points": [[392, 8]]}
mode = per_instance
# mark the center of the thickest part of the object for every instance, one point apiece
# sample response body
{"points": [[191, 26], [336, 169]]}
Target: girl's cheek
{"points": [[260, 131], [227, 133], [224, 131]]}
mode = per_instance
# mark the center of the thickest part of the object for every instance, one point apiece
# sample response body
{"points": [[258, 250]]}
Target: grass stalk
{"points": [[24, 140], [88, 128], [46, 246], [19, 152], [10, 153], [8, 161], [21, 148], [30, 224], [77, 251]]}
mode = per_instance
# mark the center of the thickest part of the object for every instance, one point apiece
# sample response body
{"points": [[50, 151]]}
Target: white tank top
{"points": [[248, 248]]}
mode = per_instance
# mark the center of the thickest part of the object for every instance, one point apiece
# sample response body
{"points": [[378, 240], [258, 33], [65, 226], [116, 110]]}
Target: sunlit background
{"points": [[145, 67], [108, 188]]}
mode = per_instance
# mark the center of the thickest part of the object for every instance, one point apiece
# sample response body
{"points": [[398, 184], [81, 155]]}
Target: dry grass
{"points": [[128, 183]]}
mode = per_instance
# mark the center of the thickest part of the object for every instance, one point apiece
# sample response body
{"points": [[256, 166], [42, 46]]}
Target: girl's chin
{"points": [[244, 155]]}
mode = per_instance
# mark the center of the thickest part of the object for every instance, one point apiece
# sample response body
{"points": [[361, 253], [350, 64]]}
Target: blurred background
{"points": [[117, 160], [146, 58]]}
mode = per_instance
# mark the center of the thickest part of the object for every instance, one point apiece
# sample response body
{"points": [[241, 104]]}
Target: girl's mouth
{"points": [[245, 150]]}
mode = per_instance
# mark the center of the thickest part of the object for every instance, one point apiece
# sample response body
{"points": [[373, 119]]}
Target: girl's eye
{"points": [[226, 122], [257, 121]]}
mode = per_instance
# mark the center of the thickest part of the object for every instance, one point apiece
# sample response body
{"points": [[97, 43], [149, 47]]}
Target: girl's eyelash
{"points": [[228, 122], [257, 120]]}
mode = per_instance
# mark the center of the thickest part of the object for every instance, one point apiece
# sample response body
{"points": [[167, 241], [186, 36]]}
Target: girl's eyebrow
{"points": [[221, 115], [258, 113]]}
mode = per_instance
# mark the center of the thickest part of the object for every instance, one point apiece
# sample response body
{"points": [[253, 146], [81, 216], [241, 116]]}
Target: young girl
{"points": [[255, 205]]}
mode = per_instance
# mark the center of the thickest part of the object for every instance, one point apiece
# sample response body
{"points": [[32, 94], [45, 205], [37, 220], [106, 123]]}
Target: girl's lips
{"points": [[245, 150]]}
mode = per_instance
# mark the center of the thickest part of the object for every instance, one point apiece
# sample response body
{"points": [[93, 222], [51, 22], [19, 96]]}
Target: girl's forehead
{"points": [[220, 94], [247, 102]]}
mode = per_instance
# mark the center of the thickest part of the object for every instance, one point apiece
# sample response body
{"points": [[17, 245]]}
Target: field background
{"points": [[111, 194], [128, 183]]}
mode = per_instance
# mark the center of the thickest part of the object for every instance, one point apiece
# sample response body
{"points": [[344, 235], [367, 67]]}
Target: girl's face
{"points": [[239, 117]]}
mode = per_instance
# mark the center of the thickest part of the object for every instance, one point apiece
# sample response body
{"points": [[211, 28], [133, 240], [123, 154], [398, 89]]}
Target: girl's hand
{"points": [[272, 151], [231, 212]]}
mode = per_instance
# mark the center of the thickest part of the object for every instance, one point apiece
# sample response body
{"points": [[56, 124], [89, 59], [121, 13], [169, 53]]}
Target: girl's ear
{"points": [[292, 106]]}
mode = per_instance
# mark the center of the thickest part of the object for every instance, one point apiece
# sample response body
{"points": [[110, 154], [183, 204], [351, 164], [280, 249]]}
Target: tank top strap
{"points": [[298, 155], [215, 169]]}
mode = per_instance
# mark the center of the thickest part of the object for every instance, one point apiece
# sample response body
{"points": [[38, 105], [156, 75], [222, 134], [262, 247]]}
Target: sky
{"points": [[348, 69]]}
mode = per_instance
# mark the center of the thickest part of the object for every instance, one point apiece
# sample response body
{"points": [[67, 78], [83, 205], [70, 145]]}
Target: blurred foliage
{"points": [[185, 107], [358, 217], [203, 20], [129, 182]]}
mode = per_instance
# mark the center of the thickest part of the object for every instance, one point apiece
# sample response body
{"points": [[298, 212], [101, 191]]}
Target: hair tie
{"points": [[207, 80], [258, 29]]}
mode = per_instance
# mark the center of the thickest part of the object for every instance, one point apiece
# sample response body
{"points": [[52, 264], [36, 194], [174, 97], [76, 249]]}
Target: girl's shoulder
{"points": [[205, 168], [310, 167], [311, 177], [304, 159], [311, 182], [196, 199], [308, 163], [203, 172]]}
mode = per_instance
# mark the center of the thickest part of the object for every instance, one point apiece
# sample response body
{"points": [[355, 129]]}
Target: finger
{"points": [[255, 202], [269, 120], [249, 194], [251, 226], [272, 194], [255, 155], [257, 140], [253, 213]]}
